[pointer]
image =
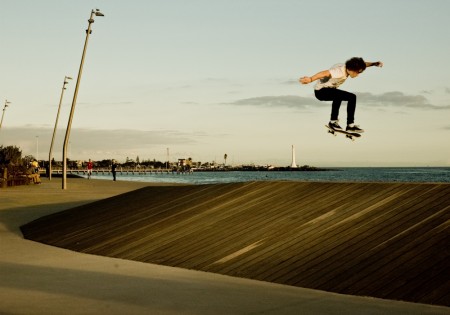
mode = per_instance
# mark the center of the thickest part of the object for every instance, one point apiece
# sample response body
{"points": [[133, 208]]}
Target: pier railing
{"points": [[122, 171]]}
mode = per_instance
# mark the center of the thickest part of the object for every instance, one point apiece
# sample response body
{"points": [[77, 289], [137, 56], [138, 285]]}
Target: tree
{"points": [[10, 154], [11, 159], [28, 159], [103, 163]]}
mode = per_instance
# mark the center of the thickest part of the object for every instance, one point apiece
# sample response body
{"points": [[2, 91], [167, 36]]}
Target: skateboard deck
{"points": [[351, 135]]}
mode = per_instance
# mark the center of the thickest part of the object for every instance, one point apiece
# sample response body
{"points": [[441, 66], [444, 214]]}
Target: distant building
{"points": [[293, 164]]}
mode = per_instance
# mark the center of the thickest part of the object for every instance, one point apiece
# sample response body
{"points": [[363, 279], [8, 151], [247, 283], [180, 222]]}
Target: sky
{"points": [[204, 78]]}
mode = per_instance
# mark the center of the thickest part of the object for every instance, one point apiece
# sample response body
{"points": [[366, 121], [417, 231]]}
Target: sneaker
{"points": [[354, 128], [334, 125]]}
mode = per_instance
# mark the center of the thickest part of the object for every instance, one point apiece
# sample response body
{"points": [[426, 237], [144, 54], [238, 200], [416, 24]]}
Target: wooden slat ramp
{"points": [[387, 240]]}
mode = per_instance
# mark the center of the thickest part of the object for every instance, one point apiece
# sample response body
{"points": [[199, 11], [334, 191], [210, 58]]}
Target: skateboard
{"points": [[351, 135]]}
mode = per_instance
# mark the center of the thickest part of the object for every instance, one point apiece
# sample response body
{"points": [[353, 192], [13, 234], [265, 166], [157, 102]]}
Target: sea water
{"points": [[360, 174]]}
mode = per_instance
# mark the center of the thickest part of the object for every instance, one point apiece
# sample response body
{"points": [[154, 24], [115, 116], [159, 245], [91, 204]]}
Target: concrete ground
{"points": [[40, 279]]}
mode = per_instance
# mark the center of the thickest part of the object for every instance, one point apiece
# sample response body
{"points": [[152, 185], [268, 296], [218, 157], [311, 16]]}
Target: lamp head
{"points": [[66, 82], [98, 13]]}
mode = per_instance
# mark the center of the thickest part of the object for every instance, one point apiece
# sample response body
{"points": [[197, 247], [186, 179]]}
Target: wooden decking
{"points": [[374, 239]]}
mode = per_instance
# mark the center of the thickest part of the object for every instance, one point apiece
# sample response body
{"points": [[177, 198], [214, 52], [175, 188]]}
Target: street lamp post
{"points": [[37, 148], [3, 114], [75, 94], [54, 130]]}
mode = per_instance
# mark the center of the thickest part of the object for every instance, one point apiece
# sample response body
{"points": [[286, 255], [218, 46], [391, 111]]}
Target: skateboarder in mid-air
{"points": [[326, 89]]}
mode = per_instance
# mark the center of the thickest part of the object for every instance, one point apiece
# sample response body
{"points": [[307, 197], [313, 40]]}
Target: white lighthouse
{"points": [[293, 165]]}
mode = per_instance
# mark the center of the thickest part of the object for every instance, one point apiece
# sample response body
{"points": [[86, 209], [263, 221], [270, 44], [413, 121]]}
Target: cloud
{"points": [[290, 82], [447, 90], [97, 144], [132, 138], [397, 99], [290, 101], [108, 104], [389, 99]]}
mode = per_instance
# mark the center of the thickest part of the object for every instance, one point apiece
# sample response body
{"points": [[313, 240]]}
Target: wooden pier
{"points": [[120, 171]]}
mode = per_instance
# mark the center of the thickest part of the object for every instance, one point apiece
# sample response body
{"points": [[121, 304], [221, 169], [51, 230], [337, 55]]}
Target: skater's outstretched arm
{"points": [[317, 76], [327, 73], [376, 64]]}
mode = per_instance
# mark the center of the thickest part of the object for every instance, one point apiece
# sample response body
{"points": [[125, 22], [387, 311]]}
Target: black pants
{"points": [[337, 96]]}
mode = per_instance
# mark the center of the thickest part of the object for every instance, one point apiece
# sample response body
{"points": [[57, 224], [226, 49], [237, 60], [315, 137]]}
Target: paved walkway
{"points": [[40, 279]]}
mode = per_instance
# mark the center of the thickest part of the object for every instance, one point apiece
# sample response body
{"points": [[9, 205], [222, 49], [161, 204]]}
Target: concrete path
{"points": [[40, 279]]}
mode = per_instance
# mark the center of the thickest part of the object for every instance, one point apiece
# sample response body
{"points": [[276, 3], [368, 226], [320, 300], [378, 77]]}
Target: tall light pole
{"points": [[75, 94], [37, 148], [168, 158], [3, 114], [54, 130]]}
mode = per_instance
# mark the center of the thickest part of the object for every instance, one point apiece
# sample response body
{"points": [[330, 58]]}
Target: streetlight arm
{"points": [[3, 114]]}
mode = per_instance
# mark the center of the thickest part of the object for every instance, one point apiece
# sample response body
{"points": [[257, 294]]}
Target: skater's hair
{"points": [[356, 64]]}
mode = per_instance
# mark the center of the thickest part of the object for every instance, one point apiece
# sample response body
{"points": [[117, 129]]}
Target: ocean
{"points": [[360, 174]]}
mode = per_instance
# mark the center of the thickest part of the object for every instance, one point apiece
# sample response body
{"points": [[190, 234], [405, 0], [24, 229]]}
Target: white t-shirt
{"points": [[338, 76]]}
